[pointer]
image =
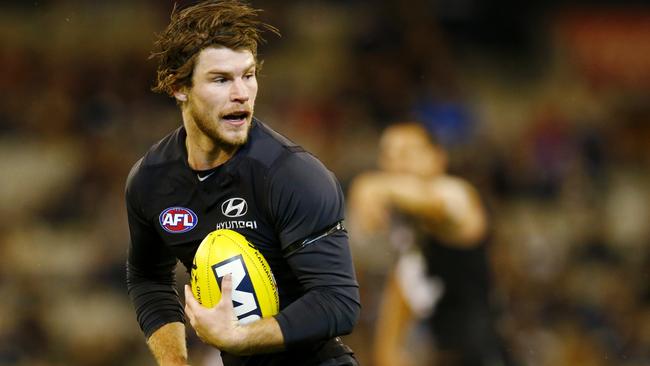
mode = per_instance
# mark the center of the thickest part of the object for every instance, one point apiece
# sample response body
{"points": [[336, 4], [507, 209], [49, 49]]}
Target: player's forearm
{"points": [[372, 194], [331, 304], [168, 345], [319, 315], [262, 336], [413, 195]]}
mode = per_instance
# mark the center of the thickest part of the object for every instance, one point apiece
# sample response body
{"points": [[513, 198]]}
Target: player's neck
{"points": [[203, 153], [200, 159]]}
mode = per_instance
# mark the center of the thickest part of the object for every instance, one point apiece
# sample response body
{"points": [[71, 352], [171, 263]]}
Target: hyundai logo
{"points": [[234, 207]]}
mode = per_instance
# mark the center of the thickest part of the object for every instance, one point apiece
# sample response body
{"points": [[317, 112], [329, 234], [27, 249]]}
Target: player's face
{"points": [[222, 97], [408, 151]]}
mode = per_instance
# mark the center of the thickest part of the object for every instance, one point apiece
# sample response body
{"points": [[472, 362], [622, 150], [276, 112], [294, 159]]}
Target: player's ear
{"points": [[180, 95]]}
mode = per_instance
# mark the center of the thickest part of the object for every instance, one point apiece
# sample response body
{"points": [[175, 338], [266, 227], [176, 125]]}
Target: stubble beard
{"points": [[210, 127]]}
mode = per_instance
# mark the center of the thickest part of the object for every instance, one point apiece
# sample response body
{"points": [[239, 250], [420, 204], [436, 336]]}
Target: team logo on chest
{"points": [[234, 207], [178, 220]]}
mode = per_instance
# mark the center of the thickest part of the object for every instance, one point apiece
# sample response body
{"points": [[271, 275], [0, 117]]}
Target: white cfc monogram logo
{"points": [[242, 289]]}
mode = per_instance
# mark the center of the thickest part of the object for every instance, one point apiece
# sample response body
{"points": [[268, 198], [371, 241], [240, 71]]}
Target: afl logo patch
{"points": [[178, 220], [234, 207]]}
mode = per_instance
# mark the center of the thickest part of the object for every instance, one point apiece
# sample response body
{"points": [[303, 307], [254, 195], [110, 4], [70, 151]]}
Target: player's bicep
{"points": [[146, 252], [150, 275], [325, 261], [150, 278], [304, 199]]}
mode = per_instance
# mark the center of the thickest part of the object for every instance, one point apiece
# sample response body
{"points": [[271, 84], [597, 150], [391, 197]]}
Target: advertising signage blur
{"points": [[611, 47]]}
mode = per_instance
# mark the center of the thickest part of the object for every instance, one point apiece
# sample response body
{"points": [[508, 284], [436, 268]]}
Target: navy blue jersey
{"points": [[282, 199]]}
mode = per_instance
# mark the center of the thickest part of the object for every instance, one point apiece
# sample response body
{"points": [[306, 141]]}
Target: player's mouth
{"points": [[236, 118]]}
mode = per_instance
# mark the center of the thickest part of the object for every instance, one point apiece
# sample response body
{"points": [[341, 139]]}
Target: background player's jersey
{"points": [[271, 191], [464, 319]]}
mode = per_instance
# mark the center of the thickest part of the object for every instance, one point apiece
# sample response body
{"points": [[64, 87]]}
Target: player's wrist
{"points": [[236, 341]]}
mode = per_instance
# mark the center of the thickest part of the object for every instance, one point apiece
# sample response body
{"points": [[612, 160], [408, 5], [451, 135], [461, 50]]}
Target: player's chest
{"points": [[183, 218]]}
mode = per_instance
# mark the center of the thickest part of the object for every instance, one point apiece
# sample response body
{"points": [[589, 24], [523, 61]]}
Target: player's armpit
{"points": [[168, 345]]}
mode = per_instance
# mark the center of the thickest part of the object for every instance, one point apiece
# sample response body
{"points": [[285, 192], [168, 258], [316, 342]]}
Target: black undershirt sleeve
{"points": [[330, 306], [150, 267], [305, 200]]}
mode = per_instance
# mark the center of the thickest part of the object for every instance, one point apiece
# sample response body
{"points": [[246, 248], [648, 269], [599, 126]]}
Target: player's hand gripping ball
{"points": [[254, 291]]}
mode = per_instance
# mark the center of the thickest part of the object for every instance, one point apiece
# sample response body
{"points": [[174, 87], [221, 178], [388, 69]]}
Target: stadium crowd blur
{"points": [[546, 109]]}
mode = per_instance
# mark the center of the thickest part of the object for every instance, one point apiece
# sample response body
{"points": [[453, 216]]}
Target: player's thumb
{"points": [[226, 289]]}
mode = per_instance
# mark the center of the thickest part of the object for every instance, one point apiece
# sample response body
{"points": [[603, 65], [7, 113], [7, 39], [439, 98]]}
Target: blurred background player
{"points": [[438, 225]]}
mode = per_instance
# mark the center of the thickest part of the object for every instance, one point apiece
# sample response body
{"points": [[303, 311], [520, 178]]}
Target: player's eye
{"points": [[249, 76], [220, 80]]}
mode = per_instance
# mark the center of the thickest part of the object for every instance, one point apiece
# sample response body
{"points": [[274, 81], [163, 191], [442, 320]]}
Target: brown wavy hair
{"points": [[231, 23]]}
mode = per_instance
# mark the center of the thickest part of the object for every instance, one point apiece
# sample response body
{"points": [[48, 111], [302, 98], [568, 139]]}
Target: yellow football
{"points": [[254, 291]]}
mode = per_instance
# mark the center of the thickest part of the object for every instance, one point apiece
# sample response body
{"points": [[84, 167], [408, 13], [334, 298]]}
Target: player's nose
{"points": [[239, 92]]}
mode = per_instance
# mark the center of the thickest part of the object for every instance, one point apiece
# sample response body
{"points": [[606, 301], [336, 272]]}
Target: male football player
{"points": [[223, 168]]}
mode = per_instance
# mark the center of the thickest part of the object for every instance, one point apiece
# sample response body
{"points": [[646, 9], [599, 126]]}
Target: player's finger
{"points": [[226, 289]]}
